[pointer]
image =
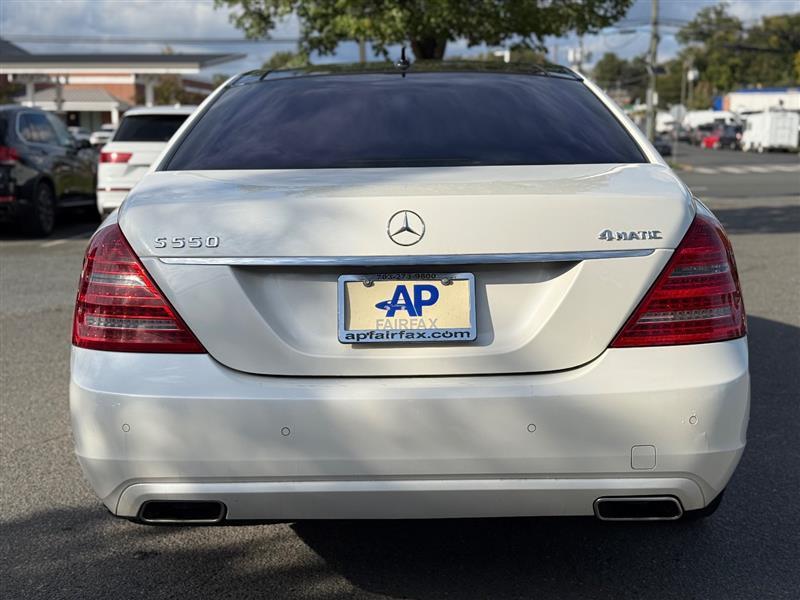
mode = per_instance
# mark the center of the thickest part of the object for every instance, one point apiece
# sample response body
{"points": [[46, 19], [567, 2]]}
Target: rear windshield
{"points": [[148, 128], [424, 119]]}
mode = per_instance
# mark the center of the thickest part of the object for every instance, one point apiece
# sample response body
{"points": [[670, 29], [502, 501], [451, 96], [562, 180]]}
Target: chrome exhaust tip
{"points": [[182, 512], [638, 508]]}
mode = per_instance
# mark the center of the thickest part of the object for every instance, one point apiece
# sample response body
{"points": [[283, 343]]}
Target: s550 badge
{"points": [[194, 241]]}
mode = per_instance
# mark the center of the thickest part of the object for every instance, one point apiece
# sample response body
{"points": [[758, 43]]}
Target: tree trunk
{"points": [[428, 48]]}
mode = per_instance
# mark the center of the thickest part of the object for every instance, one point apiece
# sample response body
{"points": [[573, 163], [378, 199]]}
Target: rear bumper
{"points": [[13, 206], [654, 421]]}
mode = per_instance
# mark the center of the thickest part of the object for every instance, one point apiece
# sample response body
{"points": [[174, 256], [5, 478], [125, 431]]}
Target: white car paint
{"points": [[115, 180], [560, 329], [278, 420], [186, 427]]}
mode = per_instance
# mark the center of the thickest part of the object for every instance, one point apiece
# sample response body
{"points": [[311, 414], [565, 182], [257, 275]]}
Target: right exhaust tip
{"points": [[176, 512], [638, 508]]}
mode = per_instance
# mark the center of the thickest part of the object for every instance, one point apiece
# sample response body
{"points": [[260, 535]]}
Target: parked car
{"points": [[710, 140], [80, 133], [42, 169], [325, 303], [723, 136], [700, 132], [730, 137], [683, 133], [100, 137], [663, 144], [141, 136]]}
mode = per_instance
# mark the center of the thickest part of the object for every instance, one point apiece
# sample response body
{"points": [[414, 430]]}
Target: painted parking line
{"points": [[58, 242], [745, 169]]}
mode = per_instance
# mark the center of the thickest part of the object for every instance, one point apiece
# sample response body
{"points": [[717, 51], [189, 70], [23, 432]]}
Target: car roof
{"points": [[430, 66], [178, 109], [18, 107]]}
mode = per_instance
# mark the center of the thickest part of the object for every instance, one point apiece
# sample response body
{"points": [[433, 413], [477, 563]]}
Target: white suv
{"points": [[137, 142]]}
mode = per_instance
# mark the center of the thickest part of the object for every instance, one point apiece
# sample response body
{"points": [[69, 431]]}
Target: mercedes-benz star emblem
{"points": [[405, 228]]}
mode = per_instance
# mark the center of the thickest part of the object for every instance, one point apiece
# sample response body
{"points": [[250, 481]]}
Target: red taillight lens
{"points": [[696, 299], [8, 155], [115, 157], [119, 308]]}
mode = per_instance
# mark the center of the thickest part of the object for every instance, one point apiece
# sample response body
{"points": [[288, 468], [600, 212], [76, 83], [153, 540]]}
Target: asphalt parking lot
{"points": [[57, 541]]}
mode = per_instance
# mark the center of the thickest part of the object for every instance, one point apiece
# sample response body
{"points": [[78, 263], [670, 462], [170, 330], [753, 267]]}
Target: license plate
{"points": [[403, 308]]}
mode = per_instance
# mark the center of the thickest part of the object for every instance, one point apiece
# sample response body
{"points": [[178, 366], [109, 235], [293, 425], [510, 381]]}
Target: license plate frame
{"points": [[411, 335]]}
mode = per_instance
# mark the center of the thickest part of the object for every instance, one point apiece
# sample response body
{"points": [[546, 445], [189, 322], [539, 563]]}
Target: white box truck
{"points": [[771, 130]]}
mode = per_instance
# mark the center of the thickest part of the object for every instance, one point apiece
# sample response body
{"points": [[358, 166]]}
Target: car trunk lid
{"points": [[560, 255]]}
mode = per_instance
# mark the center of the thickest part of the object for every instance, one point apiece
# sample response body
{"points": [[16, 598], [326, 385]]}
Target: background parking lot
{"points": [[57, 540]]}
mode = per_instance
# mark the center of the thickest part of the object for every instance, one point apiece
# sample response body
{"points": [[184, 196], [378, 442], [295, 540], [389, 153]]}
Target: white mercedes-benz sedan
{"points": [[436, 292]]}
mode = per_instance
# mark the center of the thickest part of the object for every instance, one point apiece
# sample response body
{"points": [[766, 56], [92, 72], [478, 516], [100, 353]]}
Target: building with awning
{"points": [[91, 89], [93, 101]]}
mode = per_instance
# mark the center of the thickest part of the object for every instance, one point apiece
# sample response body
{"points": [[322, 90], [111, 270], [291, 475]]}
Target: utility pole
{"points": [[677, 124], [362, 51], [652, 59], [691, 76]]}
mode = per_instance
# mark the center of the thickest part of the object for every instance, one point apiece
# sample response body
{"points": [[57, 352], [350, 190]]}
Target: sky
{"points": [[199, 19]]}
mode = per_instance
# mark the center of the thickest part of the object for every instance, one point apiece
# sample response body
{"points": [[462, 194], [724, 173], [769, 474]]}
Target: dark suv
{"points": [[42, 169]]}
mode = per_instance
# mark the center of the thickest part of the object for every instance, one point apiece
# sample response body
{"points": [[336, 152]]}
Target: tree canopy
{"points": [[730, 55], [727, 54], [286, 60], [427, 26]]}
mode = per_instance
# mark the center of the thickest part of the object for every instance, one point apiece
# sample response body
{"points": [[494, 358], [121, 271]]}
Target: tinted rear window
{"points": [[424, 119], [148, 128]]}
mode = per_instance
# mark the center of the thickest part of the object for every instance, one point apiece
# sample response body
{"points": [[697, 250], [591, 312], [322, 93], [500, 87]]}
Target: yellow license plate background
{"points": [[451, 311]]}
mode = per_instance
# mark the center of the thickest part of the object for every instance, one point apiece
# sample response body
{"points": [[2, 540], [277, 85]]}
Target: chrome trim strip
{"points": [[409, 260]]}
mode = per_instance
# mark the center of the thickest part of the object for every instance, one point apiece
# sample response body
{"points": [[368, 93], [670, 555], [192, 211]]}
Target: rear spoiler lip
{"points": [[408, 260]]}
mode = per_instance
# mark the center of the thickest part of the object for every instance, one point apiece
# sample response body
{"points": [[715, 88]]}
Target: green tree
{"points": [[728, 55], [519, 54], [608, 71], [219, 78], [668, 83], [614, 73], [797, 65], [716, 33], [428, 26], [169, 88], [286, 60], [770, 49]]}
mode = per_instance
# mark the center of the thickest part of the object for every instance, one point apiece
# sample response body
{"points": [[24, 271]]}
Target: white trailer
{"points": [[695, 118], [771, 130]]}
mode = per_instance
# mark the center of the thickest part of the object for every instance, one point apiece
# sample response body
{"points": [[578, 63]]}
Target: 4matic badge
{"points": [[627, 236]]}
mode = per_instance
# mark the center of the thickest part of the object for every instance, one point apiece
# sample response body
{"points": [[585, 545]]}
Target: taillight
{"points": [[697, 297], [119, 307], [115, 157], [8, 155]]}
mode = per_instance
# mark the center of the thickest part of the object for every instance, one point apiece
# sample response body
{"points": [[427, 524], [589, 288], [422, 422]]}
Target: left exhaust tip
{"points": [[177, 512]]}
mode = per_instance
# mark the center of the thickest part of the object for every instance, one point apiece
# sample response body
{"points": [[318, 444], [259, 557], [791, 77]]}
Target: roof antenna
{"points": [[403, 64]]}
